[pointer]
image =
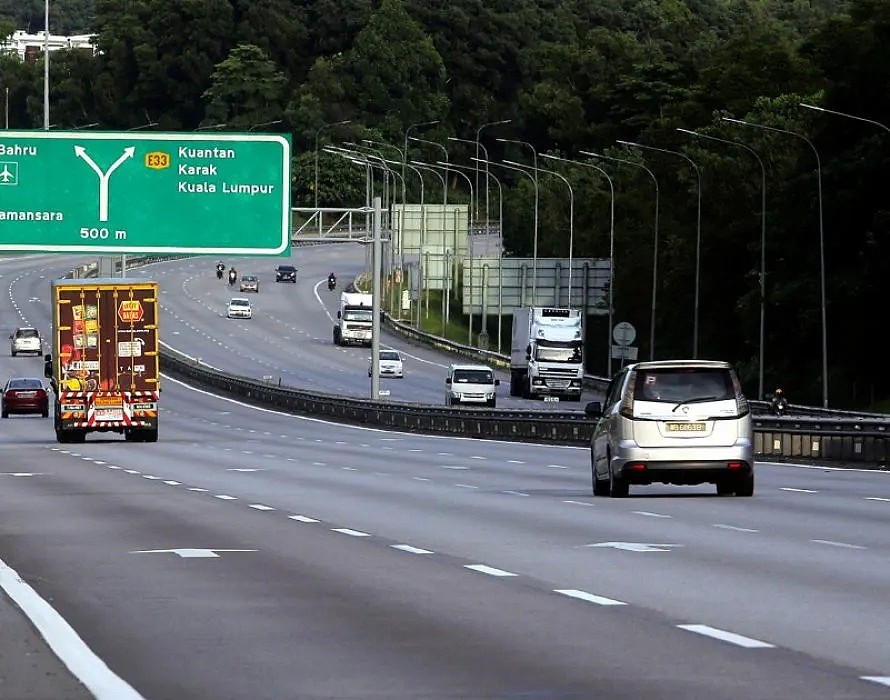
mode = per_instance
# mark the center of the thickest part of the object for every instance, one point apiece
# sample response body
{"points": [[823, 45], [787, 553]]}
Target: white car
{"points": [[239, 307], [390, 364], [25, 340]]}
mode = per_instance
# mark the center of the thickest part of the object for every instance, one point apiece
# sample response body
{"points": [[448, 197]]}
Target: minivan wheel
{"points": [[726, 487], [600, 486], [618, 487], [745, 485]]}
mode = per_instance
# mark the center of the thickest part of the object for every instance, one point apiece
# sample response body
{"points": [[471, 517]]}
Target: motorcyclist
{"points": [[332, 281], [220, 268], [233, 275], [778, 402]]}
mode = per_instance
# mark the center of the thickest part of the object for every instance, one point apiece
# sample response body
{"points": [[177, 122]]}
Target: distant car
{"points": [[239, 307], [25, 340], [286, 273], [390, 364], [25, 395], [250, 283]]}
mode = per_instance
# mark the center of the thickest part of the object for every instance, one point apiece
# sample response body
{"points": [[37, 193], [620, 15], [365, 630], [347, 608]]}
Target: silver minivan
{"points": [[672, 422], [471, 384]]}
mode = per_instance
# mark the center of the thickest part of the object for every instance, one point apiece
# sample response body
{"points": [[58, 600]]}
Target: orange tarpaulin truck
{"points": [[104, 362]]}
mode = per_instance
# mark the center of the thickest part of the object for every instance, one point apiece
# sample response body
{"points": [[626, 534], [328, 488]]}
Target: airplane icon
{"points": [[7, 176]]}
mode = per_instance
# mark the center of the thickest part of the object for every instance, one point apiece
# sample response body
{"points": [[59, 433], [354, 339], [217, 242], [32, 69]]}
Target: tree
{"points": [[247, 89]]}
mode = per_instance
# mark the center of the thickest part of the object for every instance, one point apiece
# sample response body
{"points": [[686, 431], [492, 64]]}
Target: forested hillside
{"points": [[65, 16], [571, 76]]}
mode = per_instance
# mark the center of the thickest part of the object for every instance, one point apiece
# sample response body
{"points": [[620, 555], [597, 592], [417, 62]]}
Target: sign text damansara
{"points": [[121, 192]]}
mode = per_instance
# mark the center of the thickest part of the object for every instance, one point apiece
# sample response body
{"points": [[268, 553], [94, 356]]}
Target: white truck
{"points": [[547, 353], [355, 319]]}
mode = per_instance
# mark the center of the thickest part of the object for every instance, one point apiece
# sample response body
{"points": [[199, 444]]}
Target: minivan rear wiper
{"points": [[697, 399]]}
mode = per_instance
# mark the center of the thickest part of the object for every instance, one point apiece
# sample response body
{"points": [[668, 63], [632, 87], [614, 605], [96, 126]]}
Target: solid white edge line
{"points": [[730, 637], [491, 571], [66, 644], [589, 597], [843, 545]]}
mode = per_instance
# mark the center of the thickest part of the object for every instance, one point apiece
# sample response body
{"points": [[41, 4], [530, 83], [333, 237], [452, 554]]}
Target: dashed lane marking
{"points": [[411, 550], [589, 597], [350, 532], [302, 519], [491, 571], [729, 637]]}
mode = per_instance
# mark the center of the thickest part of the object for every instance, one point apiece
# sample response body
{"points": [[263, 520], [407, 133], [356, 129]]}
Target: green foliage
{"points": [[247, 89]]}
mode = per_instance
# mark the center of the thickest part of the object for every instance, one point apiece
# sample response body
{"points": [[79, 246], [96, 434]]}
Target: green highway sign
{"points": [[125, 192]]}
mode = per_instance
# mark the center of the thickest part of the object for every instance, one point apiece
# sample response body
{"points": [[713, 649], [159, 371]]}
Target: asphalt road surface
{"points": [[253, 555]]}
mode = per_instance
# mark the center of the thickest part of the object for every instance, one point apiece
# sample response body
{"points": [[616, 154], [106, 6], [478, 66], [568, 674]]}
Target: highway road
{"points": [[253, 555]]}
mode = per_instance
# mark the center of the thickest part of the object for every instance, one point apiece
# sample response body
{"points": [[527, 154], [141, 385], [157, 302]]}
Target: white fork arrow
{"points": [[81, 152]]}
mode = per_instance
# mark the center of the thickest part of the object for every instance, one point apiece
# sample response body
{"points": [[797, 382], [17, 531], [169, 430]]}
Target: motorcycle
{"points": [[219, 273], [233, 277], [332, 283]]}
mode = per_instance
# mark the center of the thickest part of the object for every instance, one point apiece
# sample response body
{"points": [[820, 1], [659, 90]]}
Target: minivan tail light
{"points": [[626, 408], [636, 466], [736, 465]]}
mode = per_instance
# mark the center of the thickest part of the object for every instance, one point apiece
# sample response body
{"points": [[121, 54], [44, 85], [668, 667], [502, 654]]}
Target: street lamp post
{"points": [[445, 151], [478, 146], [760, 373], [611, 249], [416, 125], [654, 244], [315, 186], [535, 244], [844, 114], [429, 168], [571, 218], [46, 66], [257, 126], [821, 242], [214, 127], [697, 235], [449, 167]]}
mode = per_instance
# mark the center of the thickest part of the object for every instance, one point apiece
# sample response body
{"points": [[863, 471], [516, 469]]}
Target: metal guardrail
{"points": [[849, 438]]}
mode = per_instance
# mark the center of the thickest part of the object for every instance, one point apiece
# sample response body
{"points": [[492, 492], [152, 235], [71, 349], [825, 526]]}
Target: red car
{"points": [[25, 395]]}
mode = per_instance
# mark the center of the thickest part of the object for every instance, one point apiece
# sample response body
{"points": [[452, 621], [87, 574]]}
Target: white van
{"points": [[471, 384]]}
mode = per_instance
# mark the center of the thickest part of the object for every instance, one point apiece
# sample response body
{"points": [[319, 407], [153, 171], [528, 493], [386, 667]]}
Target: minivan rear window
{"points": [[27, 333], [684, 385]]}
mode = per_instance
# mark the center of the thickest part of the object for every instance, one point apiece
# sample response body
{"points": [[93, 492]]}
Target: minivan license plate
{"points": [[686, 427]]}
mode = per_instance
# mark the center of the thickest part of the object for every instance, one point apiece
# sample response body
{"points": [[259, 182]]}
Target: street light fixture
{"points": [[697, 235], [535, 244], [844, 114], [257, 126], [760, 394], [149, 125], [821, 242], [416, 125], [654, 244], [478, 146], [211, 127]]}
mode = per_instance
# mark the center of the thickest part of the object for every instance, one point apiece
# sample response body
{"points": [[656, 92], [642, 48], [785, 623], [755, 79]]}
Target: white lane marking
{"points": [[515, 461], [99, 461], [482, 569], [649, 514], [419, 478], [190, 553], [579, 503], [149, 476], [877, 498], [132, 471], [725, 636], [555, 466], [786, 488], [302, 519], [196, 488], [839, 544], [172, 483], [113, 466], [515, 493], [635, 546], [445, 466], [881, 680], [19, 474], [411, 550], [734, 528], [477, 457], [240, 469], [66, 644], [223, 497], [351, 533], [466, 486], [589, 597], [445, 454], [260, 506]]}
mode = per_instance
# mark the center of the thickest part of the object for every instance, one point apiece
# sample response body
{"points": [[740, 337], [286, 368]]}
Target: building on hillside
{"points": [[29, 46]]}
